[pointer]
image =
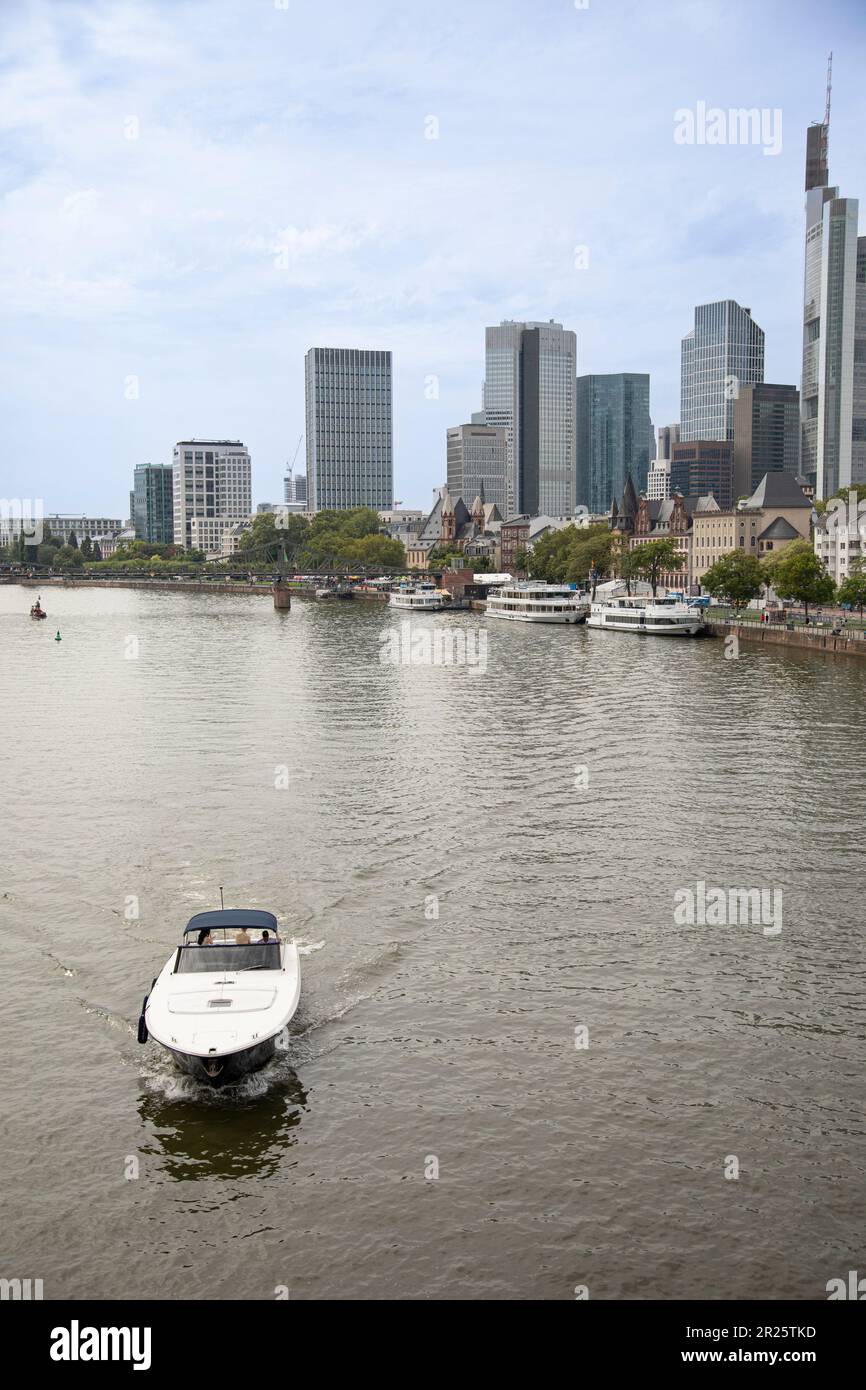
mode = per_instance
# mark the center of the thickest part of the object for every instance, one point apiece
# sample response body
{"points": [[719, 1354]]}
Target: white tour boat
{"points": [[665, 617], [420, 598], [224, 995], [533, 602]]}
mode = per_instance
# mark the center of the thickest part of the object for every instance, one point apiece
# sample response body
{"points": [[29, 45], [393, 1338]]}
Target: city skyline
{"points": [[199, 245]]}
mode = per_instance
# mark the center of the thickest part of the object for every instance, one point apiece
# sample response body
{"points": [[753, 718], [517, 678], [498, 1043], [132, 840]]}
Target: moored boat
{"points": [[216, 1018], [420, 598], [665, 616], [534, 602], [37, 611]]}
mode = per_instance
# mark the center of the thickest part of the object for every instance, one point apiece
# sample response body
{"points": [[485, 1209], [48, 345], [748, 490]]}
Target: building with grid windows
{"points": [[766, 434], [153, 503], [476, 459], [349, 429], [722, 353], [530, 393], [614, 437], [833, 380], [212, 487]]}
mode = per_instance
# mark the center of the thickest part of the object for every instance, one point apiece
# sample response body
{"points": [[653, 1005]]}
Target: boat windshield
{"points": [[259, 955]]}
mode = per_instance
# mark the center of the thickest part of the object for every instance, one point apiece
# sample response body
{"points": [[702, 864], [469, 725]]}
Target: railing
{"points": [[818, 629]]}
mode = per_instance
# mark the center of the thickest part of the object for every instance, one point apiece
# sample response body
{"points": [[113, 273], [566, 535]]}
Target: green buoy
{"points": [[58, 638]]}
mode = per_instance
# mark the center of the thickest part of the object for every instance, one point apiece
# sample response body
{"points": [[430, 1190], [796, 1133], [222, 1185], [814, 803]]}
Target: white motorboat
{"points": [[662, 617], [224, 995], [419, 598], [534, 602]]}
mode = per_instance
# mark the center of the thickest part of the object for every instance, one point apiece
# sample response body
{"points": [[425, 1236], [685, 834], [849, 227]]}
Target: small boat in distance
{"points": [[206, 1009], [664, 616], [37, 611], [534, 602], [419, 598]]}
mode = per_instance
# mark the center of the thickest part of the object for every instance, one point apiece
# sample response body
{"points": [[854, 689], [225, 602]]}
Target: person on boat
{"points": [[266, 936], [242, 937], [204, 937]]}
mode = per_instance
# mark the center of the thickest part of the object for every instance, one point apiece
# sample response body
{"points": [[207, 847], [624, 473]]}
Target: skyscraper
{"points": [[833, 436], [529, 392], [701, 466], [613, 437], [212, 490], [723, 352], [477, 456], [766, 434], [349, 432], [153, 504]]}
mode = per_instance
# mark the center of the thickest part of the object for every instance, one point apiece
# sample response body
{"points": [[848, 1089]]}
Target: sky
{"points": [[195, 192]]}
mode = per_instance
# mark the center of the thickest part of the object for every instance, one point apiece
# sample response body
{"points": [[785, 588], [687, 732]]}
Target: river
{"points": [[513, 1072]]}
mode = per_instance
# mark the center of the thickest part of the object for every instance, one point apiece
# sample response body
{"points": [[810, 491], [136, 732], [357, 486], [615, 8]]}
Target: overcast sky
{"points": [[280, 191]]}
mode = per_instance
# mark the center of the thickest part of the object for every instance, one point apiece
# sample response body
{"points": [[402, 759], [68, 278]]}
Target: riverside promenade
{"points": [[815, 638]]}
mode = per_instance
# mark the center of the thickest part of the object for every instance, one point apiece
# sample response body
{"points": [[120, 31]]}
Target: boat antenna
{"points": [[222, 904]]}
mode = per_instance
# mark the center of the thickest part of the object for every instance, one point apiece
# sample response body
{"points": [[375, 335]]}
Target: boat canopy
{"points": [[231, 919]]}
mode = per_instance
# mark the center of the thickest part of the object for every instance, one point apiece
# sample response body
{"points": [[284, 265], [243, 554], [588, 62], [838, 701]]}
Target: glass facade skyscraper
{"points": [[614, 436], [530, 393], [349, 431], [724, 351], [153, 503]]}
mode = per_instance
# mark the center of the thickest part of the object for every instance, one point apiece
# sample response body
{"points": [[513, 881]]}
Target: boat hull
{"points": [[648, 629], [223, 1071], [562, 619]]}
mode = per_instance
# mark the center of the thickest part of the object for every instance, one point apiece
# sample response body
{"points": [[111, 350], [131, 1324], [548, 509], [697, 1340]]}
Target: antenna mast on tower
{"points": [[825, 141]]}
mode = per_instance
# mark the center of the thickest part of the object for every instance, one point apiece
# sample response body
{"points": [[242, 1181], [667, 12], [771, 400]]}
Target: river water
{"points": [[513, 1073]]}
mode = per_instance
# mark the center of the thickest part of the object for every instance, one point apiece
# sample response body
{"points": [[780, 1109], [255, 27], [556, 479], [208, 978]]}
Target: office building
{"points": [[614, 435], [477, 459], [153, 503], [529, 392], [722, 353], [212, 488], [349, 429], [658, 480], [833, 422], [766, 434], [668, 435], [702, 466]]}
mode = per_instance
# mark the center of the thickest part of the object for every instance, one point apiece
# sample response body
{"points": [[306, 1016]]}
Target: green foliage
{"points": [[853, 590], [68, 557], [735, 577], [572, 555], [352, 538], [653, 558], [797, 573]]}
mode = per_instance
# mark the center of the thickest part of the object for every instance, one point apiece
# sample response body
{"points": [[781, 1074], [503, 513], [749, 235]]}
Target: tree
{"points": [[87, 548], [653, 558], [68, 557], [97, 551], [735, 577], [853, 590], [522, 557], [46, 554], [797, 573], [73, 540]]}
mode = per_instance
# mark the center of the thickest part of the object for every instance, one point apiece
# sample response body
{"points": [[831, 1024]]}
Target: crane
{"points": [[290, 467]]}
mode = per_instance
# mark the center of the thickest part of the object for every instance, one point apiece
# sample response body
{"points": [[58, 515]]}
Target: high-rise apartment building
{"points": [[722, 353], [476, 460], [153, 503], [530, 393], [833, 381], [766, 434], [613, 437], [349, 429], [212, 491]]}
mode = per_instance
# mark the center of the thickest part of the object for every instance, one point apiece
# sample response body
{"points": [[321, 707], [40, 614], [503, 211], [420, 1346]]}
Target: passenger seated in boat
{"points": [[204, 938], [242, 937], [265, 936]]}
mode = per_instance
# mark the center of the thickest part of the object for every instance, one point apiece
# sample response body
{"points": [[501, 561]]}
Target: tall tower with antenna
{"points": [[830, 425]]}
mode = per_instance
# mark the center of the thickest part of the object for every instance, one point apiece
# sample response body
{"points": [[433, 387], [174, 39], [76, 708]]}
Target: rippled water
{"points": [[152, 777]]}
